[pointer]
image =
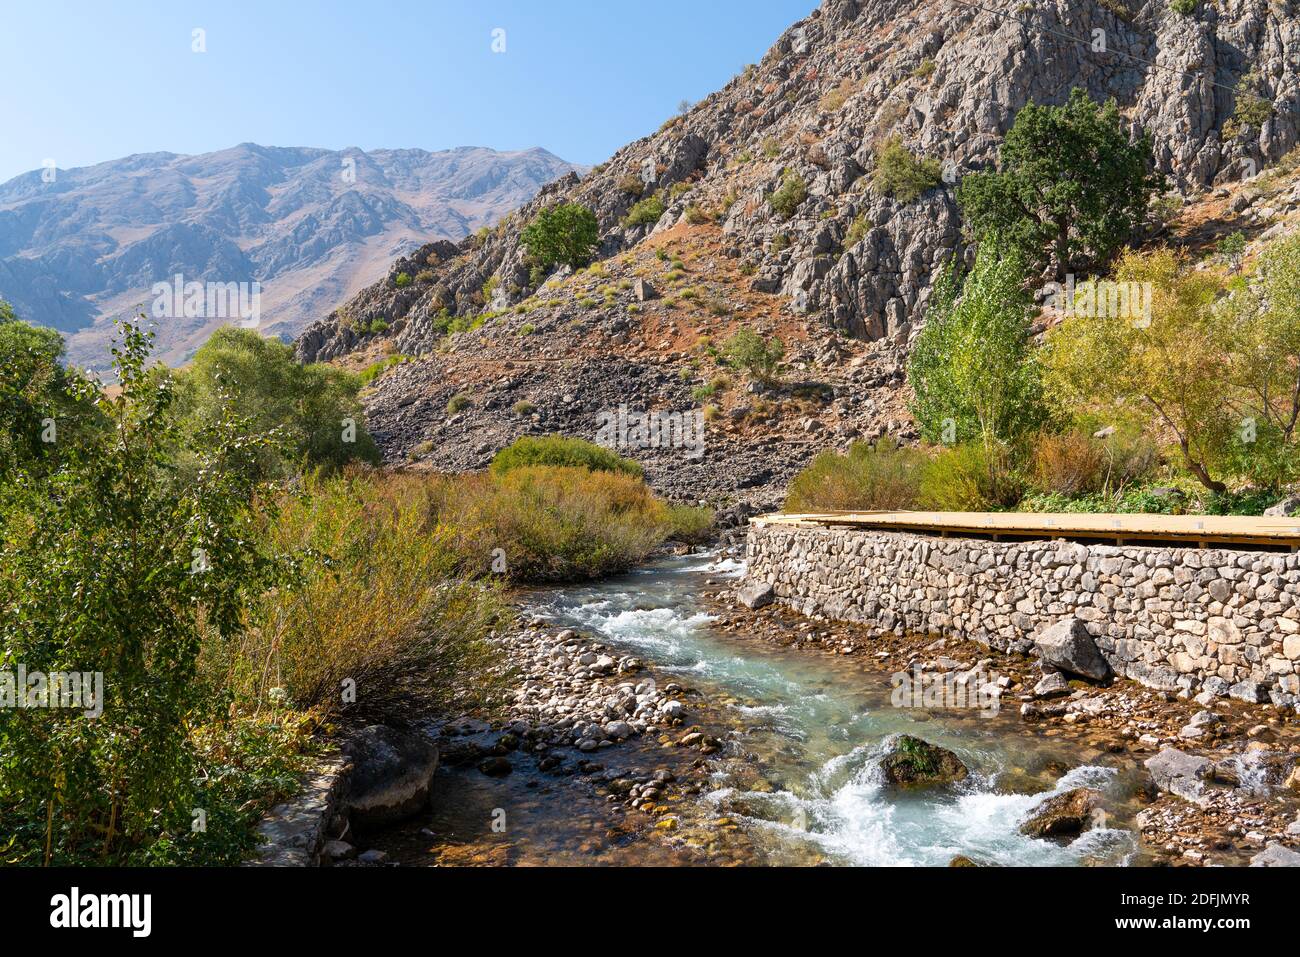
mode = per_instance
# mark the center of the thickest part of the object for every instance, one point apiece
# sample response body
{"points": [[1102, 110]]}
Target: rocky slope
{"points": [[312, 226], [843, 279]]}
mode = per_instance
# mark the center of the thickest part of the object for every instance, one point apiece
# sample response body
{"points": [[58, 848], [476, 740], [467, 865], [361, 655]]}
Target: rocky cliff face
{"points": [[311, 226], [848, 269]]}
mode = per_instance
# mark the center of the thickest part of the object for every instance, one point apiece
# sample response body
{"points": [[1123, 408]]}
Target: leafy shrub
{"points": [[402, 280], [880, 477], [1183, 7], [645, 213], [36, 390], [901, 175], [120, 787], [749, 351], [311, 410], [632, 184], [558, 450], [458, 403], [523, 407], [424, 276], [973, 371], [567, 234], [969, 478], [789, 197]]}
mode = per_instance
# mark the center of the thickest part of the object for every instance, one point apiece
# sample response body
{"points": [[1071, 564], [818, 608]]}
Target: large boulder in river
{"points": [[1065, 815], [756, 594], [391, 777], [912, 763], [1068, 646]]}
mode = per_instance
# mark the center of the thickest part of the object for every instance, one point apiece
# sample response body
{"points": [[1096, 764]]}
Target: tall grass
{"points": [[376, 614]]}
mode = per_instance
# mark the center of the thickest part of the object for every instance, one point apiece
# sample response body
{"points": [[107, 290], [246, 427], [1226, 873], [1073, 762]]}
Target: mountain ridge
{"points": [[310, 225]]}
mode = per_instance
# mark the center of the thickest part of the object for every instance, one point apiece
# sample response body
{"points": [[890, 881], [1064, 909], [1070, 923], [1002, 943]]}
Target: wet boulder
{"points": [[1067, 645], [392, 775], [912, 763], [1064, 815]]}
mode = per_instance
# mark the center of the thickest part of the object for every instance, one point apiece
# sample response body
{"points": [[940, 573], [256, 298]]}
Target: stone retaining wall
{"points": [[293, 833], [1181, 619]]}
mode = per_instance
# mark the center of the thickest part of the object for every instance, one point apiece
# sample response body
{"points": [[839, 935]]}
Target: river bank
{"points": [[653, 722]]}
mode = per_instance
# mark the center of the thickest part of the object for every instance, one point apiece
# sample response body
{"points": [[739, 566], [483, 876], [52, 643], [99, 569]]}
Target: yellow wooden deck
{"points": [[1205, 531]]}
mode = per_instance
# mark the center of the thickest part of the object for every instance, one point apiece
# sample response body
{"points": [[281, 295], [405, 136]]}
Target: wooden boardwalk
{"points": [[1203, 531]]}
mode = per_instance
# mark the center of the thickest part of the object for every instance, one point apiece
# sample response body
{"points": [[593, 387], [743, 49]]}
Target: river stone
{"points": [[1070, 813], [756, 594], [912, 763], [1180, 773], [1275, 855], [961, 860], [391, 777], [1051, 685], [495, 767], [1068, 646]]}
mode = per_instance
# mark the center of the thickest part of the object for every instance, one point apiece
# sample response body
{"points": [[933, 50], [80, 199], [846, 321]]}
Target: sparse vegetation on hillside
{"points": [[560, 451], [901, 175]]}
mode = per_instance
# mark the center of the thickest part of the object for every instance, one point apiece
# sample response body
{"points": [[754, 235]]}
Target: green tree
{"points": [[1071, 187], [1260, 331], [35, 404], [750, 352], [972, 371], [1175, 367], [111, 566], [312, 410], [566, 234]]}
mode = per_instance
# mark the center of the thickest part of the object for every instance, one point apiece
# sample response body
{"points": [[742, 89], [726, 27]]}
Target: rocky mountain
{"points": [[311, 226], [838, 270]]}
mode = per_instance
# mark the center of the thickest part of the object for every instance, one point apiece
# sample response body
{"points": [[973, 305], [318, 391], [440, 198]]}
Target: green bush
{"points": [[566, 234], [969, 478], [557, 450], [787, 199], [901, 175], [973, 371], [1183, 7], [373, 371], [311, 410], [880, 477], [39, 406], [749, 351], [458, 403], [402, 280], [113, 565], [645, 213]]}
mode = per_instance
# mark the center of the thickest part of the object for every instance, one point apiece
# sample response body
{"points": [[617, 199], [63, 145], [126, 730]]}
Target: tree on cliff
{"points": [[1071, 187], [565, 234]]}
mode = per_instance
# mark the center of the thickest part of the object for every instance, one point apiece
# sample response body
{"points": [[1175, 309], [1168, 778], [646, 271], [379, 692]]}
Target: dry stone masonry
{"points": [[1180, 619]]}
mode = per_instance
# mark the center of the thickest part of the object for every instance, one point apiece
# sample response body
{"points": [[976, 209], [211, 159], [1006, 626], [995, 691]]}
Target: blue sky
{"points": [[90, 82]]}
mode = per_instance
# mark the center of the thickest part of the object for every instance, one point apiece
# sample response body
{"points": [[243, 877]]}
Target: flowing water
{"points": [[800, 771]]}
